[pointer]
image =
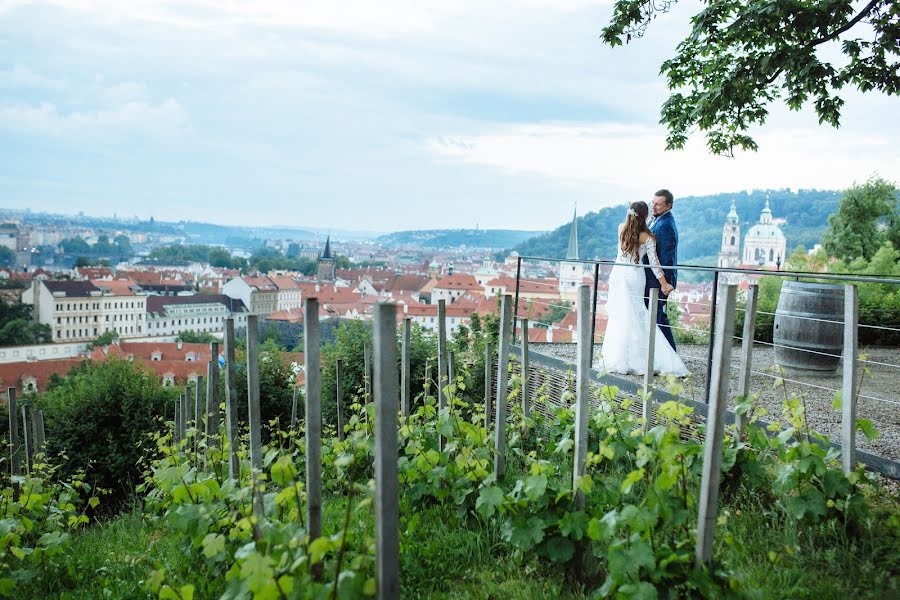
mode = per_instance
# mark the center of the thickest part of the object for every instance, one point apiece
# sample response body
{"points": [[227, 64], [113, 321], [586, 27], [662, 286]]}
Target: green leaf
{"points": [[318, 549], [283, 471], [489, 499], [523, 534], [560, 549], [573, 525], [213, 543], [632, 478], [535, 486], [868, 428], [639, 591]]}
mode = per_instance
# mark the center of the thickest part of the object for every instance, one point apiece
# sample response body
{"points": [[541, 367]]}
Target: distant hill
{"points": [[455, 238], [699, 220]]}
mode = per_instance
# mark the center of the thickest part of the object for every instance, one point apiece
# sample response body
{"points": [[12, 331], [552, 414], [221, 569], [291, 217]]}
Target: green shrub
{"points": [[99, 418]]}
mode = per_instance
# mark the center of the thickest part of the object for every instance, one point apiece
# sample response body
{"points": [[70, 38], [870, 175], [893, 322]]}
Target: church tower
{"points": [[730, 255], [325, 272], [571, 274]]}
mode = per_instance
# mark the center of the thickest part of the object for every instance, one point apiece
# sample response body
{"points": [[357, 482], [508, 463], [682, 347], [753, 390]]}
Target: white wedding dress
{"points": [[625, 343]]}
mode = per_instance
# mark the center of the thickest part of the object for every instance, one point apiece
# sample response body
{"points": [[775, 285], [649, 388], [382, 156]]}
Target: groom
{"points": [[662, 225]]}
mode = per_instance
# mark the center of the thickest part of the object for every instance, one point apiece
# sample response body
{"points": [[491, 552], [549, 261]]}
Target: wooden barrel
{"points": [[809, 327]]}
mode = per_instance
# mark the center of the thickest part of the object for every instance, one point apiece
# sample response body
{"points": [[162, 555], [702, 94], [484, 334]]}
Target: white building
{"points": [[171, 315], [80, 310], [451, 287], [259, 294], [765, 244]]}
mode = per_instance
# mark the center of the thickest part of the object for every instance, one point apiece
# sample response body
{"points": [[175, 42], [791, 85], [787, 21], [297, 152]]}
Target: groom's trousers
{"points": [[662, 319]]}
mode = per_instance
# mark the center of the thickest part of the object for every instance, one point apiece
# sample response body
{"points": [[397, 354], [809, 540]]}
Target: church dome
{"points": [[765, 231]]}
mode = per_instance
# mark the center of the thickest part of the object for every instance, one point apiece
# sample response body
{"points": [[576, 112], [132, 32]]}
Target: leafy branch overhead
{"points": [[742, 56]]}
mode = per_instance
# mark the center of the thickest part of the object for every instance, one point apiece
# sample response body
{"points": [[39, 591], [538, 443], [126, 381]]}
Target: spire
{"points": [[732, 214], [327, 252], [572, 251], [766, 216]]}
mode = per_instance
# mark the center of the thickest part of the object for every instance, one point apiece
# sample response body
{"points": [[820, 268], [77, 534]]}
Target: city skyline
{"points": [[406, 116]]}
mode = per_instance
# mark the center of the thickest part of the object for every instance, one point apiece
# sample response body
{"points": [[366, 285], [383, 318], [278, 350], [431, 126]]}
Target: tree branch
{"points": [[865, 11]]}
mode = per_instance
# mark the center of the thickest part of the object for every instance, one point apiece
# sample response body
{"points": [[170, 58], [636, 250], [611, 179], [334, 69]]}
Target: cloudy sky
{"points": [[354, 114]]}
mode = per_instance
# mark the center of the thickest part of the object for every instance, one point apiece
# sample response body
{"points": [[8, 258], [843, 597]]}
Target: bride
{"points": [[625, 343]]}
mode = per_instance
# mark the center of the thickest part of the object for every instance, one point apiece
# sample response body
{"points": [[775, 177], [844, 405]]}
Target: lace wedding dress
{"points": [[625, 343]]}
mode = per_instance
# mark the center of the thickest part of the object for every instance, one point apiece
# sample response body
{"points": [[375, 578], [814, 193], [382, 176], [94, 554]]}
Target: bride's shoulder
{"points": [[644, 237]]}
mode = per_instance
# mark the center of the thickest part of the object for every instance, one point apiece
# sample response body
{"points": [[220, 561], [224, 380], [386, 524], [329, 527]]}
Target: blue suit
{"points": [[666, 234]]}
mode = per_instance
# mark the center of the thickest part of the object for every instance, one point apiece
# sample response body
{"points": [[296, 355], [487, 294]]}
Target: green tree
{"points": [[103, 246], [741, 56], [104, 339], [122, 245], [20, 332], [195, 337], [866, 217], [75, 245]]}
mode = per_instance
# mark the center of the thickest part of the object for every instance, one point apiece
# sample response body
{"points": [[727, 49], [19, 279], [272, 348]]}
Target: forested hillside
{"points": [[444, 238], [700, 220]]}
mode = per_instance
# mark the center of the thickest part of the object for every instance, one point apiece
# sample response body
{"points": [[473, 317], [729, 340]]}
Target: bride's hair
{"points": [[635, 224]]}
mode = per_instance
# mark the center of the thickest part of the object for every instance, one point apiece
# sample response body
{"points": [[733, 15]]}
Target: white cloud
{"points": [[632, 159], [120, 121], [23, 77]]}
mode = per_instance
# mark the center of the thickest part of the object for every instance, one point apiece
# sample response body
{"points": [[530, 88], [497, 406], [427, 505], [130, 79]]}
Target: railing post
{"points": [[653, 306], [743, 391], [715, 429], [582, 391], [339, 391], [849, 384], [313, 405], [526, 371], [231, 418], [506, 318], [488, 381], [712, 332], [387, 505], [255, 419], [442, 362], [15, 457], [404, 368], [212, 397]]}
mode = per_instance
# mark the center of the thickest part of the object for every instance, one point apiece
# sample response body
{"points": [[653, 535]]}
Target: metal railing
{"points": [[878, 400]]}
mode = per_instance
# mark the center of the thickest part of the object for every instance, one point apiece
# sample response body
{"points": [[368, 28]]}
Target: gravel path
{"points": [[882, 383]]}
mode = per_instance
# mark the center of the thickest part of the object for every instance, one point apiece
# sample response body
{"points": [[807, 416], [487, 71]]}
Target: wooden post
{"points": [[15, 450], [254, 416], [502, 386], [451, 368], [849, 384], [404, 368], [26, 439], [339, 389], [367, 371], [199, 416], [427, 376], [442, 379], [313, 405], [40, 438], [647, 410], [387, 507], [715, 425], [294, 408], [37, 443], [176, 423], [743, 390], [212, 397], [582, 390], [488, 393], [526, 370], [231, 418]]}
